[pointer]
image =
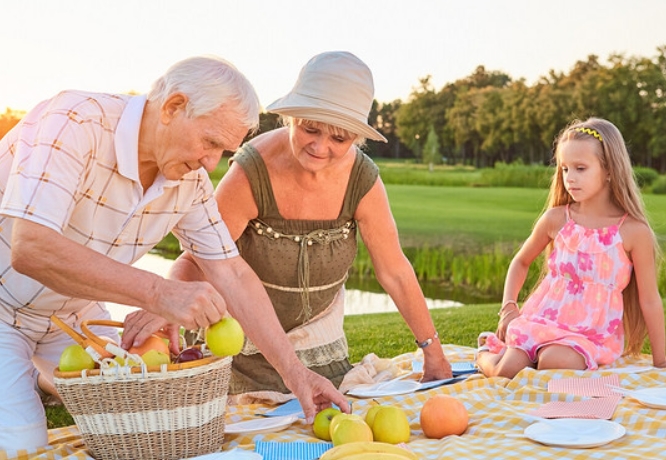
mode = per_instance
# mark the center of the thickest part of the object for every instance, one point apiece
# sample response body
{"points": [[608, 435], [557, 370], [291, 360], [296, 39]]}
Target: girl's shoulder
{"points": [[553, 219], [635, 231]]}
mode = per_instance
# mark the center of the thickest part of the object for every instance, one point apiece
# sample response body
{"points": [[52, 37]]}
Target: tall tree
{"points": [[431, 153]]}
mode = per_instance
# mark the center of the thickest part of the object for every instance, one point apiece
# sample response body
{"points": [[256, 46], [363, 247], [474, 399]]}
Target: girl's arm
{"points": [[544, 231], [637, 239], [397, 277]]}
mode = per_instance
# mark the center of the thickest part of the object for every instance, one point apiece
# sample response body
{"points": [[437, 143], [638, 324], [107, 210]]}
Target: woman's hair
{"points": [[624, 193], [331, 129], [209, 82]]}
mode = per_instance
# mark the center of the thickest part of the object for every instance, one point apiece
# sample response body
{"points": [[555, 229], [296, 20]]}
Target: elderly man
{"points": [[89, 183]]}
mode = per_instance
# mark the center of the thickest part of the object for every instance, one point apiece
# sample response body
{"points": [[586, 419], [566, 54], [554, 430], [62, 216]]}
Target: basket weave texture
{"points": [[168, 412]]}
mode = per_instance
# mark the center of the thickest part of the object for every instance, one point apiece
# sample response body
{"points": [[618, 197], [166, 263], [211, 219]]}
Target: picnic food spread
{"points": [[501, 424]]}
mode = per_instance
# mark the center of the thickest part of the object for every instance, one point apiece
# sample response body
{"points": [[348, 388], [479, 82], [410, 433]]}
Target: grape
{"points": [[189, 354]]}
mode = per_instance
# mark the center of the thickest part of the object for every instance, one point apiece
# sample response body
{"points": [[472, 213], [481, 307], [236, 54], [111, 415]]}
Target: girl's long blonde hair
{"points": [[625, 194]]}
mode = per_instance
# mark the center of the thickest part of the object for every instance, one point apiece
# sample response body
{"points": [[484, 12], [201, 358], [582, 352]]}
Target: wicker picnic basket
{"points": [[164, 412]]}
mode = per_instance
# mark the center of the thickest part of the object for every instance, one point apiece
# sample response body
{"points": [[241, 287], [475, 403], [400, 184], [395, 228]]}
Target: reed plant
{"points": [[476, 272]]}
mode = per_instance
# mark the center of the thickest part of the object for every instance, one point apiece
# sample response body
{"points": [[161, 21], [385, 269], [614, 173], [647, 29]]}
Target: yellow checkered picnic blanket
{"points": [[497, 409]]}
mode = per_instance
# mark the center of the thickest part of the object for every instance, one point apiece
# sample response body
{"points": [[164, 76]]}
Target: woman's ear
{"points": [[172, 105]]}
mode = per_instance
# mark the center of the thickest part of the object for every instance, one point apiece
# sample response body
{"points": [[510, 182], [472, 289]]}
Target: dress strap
{"points": [[622, 220], [566, 210]]}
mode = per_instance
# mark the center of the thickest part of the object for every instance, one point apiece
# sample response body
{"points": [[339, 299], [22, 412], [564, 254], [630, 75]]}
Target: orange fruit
{"points": [[443, 415], [152, 343]]}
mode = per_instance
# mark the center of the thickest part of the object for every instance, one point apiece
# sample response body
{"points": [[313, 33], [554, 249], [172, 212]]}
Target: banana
{"points": [[376, 456], [368, 450]]}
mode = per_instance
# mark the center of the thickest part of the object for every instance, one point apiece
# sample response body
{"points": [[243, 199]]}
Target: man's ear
{"points": [[174, 103]]}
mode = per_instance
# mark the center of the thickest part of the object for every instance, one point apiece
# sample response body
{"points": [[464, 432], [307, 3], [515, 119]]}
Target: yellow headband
{"points": [[591, 132]]}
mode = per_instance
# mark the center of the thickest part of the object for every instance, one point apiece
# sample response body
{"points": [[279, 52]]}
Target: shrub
{"points": [[645, 176], [659, 187], [517, 175]]}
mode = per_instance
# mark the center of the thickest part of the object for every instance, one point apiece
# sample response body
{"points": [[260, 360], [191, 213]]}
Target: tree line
{"points": [[487, 117]]}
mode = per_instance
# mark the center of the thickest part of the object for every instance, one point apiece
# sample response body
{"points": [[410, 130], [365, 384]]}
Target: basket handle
{"points": [[78, 338], [98, 349], [98, 322]]}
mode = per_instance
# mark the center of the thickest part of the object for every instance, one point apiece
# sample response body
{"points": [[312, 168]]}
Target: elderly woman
{"points": [[293, 199]]}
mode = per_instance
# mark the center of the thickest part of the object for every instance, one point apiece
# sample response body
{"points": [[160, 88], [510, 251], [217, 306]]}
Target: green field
{"points": [[466, 217], [479, 217]]}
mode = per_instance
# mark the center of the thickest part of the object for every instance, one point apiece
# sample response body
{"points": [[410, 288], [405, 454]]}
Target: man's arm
{"points": [[74, 270], [249, 303]]}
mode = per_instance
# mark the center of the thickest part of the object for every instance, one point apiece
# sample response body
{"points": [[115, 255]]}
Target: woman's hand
{"points": [[140, 324], [660, 365], [314, 392], [435, 364]]}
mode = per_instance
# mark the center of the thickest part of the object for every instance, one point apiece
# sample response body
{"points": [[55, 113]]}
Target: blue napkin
{"points": [[290, 407], [299, 450], [463, 368]]}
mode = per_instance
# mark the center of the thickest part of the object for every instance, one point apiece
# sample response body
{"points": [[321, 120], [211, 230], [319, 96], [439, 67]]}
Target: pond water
{"points": [[361, 296]]}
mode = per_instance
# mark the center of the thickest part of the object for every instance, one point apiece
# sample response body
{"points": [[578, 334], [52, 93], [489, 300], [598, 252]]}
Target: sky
{"points": [[124, 45]]}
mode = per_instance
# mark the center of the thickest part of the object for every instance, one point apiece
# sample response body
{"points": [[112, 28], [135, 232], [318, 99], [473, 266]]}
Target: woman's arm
{"points": [[397, 277]]}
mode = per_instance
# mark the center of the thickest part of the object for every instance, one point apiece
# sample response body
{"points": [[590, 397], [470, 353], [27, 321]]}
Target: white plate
{"points": [[437, 383], [576, 433], [650, 397], [261, 425], [399, 387]]}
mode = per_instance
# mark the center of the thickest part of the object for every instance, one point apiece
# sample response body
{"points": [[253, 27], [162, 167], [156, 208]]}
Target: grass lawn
{"points": [[472, 217], [480, 217]]}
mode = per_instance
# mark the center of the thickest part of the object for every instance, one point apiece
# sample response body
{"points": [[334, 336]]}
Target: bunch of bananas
{"points": [[369, 451]]}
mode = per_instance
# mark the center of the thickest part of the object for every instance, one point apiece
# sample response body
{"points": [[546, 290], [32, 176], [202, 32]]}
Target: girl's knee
{"points": [[560, 357]]}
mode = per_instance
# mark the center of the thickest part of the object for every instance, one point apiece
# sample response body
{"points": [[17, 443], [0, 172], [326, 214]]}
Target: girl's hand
{"points": [[504, 321], [660, 365]]}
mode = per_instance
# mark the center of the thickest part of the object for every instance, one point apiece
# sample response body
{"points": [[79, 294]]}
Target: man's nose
{"points": [[210, 162]]}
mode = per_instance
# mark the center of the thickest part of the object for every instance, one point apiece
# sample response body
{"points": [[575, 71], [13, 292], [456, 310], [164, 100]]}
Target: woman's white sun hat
{"points": [[335, 88]]}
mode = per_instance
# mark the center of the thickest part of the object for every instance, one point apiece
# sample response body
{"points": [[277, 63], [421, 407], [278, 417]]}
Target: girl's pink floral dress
{"points": [[579, 303]]}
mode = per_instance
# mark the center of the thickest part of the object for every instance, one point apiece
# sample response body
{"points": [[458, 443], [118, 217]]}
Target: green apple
{"points": [[338, 418], [75, 358], [351, 429], [225, 338], [391, 425], [370, 415], [322, 422], [155, 358]]}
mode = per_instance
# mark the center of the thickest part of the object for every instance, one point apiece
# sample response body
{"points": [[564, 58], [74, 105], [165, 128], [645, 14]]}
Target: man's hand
{"points": [[192, 304]]}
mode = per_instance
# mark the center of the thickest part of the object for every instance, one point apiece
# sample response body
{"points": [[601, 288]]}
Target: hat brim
{"points": [[328, 116]]}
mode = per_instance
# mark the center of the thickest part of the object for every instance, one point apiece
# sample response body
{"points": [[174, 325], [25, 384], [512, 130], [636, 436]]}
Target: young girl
{"points": [[599, 284]]}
